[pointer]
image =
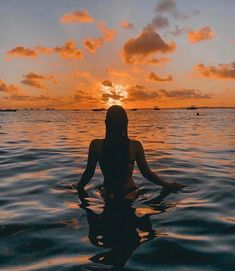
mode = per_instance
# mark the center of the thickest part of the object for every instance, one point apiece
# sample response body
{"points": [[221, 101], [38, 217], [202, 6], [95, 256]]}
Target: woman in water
{"points": [[116, 154]]}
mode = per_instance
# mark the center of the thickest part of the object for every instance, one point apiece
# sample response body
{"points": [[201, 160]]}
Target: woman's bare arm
{"points": [[90, 167], [148, 173]]}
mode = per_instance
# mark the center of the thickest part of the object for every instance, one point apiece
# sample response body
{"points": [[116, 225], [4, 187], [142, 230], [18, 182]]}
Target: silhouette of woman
{"points": [[116, 154]]}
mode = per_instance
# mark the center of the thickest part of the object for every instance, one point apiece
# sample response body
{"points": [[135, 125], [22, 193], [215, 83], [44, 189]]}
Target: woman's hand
{"points": [[81, 191], [174, 186]]}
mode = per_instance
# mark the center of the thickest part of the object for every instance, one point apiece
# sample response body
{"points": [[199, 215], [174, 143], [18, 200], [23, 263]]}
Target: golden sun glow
{"points": [[113, 94]]}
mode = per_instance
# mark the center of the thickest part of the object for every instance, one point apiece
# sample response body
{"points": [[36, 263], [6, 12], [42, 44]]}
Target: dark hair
{"points": [[115, 150], [116, 122]]}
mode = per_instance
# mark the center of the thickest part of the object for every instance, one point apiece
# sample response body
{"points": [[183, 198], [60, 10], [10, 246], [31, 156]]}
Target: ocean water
{"points": [[44, 225]]}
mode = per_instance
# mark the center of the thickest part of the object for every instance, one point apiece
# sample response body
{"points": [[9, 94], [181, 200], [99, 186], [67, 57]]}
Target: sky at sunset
{"points": [[136, 53]]}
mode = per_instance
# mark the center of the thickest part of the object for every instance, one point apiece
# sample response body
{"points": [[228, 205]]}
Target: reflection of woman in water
{"points": [[116, 228], [116, 154]]}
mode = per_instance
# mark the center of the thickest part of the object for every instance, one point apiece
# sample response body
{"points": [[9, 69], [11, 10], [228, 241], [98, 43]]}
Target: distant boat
{"points": [[134, 109], [192, 107], [156, 108], [76, 109], [50, 109], [8, 110], [98, 109]]}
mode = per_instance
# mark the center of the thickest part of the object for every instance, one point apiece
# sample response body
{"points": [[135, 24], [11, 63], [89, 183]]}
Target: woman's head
{"points": [[116, 122]]}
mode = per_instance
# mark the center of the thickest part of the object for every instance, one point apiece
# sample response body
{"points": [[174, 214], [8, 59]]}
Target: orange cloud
{"points": [[82, 96], [205, 33], [7, 88], [37, 80], [107, 83], [223, 71], [154, 77], [28, 98], [68, 50], [139, 93], [44, 100], [158, 61], [184, 94], [127, 25], [91, 44], [149, 42], [40, 50], [78, 16], [22, 51]]}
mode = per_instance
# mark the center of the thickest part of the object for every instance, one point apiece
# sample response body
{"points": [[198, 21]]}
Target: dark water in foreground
{"points": [[43, 226]]}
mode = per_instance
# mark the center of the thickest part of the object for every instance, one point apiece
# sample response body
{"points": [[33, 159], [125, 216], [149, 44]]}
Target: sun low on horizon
{"points": [[92, 54]]}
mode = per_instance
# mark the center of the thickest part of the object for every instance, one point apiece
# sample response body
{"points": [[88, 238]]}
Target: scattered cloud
{"points": [[8, 88], [205, 33], [22, 51], [154, 77], [127, 25], [91, 44], [28, 98], [184, 94], [165, 9], [82, 96], [68, 50], [158, 61], [79, 96], [177, 31], [139, 93], [148, 43], [78, 16], [107, 83], [166, 6], [38, 80], [158, 22], [170, 7], [34, 80], [222, 71]]}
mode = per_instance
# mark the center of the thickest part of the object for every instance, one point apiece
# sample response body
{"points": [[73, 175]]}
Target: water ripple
{"points": [[44, 226]]}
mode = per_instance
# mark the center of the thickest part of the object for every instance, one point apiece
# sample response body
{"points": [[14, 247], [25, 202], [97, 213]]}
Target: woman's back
{"points": [[116, 161]]}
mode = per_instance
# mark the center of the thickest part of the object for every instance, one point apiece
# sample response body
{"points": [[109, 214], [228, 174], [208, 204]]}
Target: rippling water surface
{"points": [[44, 226]]}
